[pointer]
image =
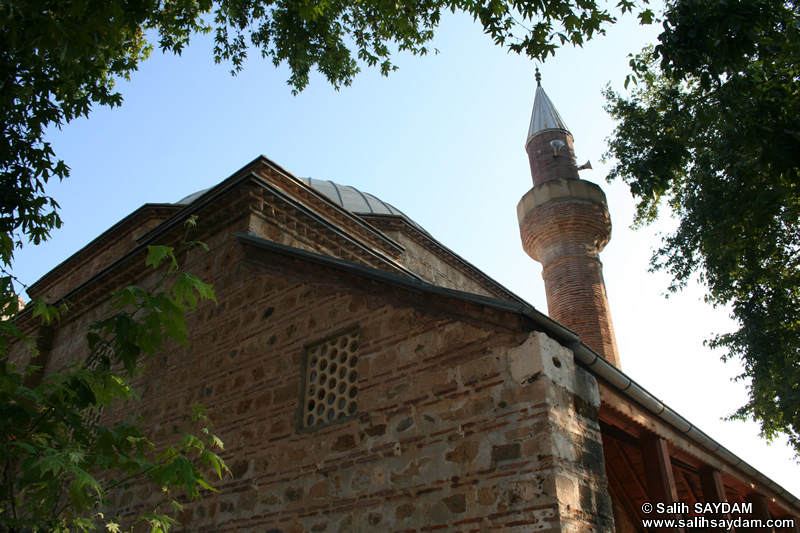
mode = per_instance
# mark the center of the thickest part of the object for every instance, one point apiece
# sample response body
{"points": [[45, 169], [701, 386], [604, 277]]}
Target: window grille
{"points": [[330, 390]]}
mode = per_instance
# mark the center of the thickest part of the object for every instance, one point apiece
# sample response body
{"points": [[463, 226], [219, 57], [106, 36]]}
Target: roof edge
{"points": [[97, 241]]}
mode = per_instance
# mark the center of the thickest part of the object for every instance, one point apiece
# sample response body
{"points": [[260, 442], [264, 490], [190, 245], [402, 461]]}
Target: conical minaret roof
{"points": [[544, 117]]}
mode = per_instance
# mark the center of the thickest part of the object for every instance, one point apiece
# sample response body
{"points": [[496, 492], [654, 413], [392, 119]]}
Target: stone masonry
{"points": [[364, 378], [469, 418]]}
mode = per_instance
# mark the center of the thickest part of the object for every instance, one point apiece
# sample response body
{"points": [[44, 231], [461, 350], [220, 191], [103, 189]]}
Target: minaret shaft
{"points": [[544, 166], [565, 224]]}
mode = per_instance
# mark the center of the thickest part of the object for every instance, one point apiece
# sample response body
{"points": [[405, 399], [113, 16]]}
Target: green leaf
{"points": [[156, 254], [645, 17]]}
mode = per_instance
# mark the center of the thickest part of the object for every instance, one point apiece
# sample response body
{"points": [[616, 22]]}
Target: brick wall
{"points": [[565, 225], [544, 165], [467, 420]]}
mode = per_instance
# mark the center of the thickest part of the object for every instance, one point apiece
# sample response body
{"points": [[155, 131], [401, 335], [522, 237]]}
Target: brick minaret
{"points": [[564, 224]]}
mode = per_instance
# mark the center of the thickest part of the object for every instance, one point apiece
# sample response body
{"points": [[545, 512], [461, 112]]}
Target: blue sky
{"points": [[442, 140]]}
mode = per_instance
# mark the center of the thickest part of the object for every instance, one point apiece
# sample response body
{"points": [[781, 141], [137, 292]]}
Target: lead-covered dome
{"points": [[350, 198]]}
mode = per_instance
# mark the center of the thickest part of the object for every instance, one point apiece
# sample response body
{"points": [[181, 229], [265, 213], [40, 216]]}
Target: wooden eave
{"points": [[624, 424]]}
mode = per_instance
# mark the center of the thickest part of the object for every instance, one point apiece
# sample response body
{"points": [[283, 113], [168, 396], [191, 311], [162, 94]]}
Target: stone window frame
{"points": [[339, 403]]}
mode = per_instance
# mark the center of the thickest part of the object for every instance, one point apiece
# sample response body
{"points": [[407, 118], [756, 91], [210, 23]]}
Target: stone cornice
{"points": [[422, 238], [337, 215], [117, 233]]}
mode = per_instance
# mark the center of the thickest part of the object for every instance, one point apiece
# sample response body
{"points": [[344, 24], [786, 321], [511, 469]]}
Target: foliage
{"points": [[60, 461], [56, 59], [713, 130]]}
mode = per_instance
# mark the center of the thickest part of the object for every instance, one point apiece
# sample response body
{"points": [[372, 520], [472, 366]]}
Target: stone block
{"points": [[405, 510], [470, 409], [457, 503], [506, 452], [344, 443], [567, 491], [487, 495], [464, 452], [318, 490]]}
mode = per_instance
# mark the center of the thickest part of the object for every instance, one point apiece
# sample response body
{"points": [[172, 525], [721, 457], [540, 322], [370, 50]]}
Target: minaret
{"points": [[564, 224]]}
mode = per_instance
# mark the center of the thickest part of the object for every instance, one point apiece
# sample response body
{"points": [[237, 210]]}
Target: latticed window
{"points": [[330, 389]]}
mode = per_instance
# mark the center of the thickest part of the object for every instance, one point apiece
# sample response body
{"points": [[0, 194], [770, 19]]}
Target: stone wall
{"points": [[467, 420], [108, 247], [438, 266]]}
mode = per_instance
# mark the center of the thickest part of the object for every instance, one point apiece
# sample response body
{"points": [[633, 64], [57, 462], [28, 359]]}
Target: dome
{"points": [[350, 198], [191, 198], [355, 201]]}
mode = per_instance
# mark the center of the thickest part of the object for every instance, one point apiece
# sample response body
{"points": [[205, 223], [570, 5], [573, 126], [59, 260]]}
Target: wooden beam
{"points": [[713, 491], [760, 511], [660, 479], [618, 434], [628, 507], [658, 471], [628, 464], [689, 489]]}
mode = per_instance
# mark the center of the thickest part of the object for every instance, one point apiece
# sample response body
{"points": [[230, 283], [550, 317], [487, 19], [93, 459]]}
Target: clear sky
{"points": [[442, 140]]}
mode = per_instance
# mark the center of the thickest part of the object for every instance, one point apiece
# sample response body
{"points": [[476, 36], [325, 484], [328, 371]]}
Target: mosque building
{"points": [[364, 377]]}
